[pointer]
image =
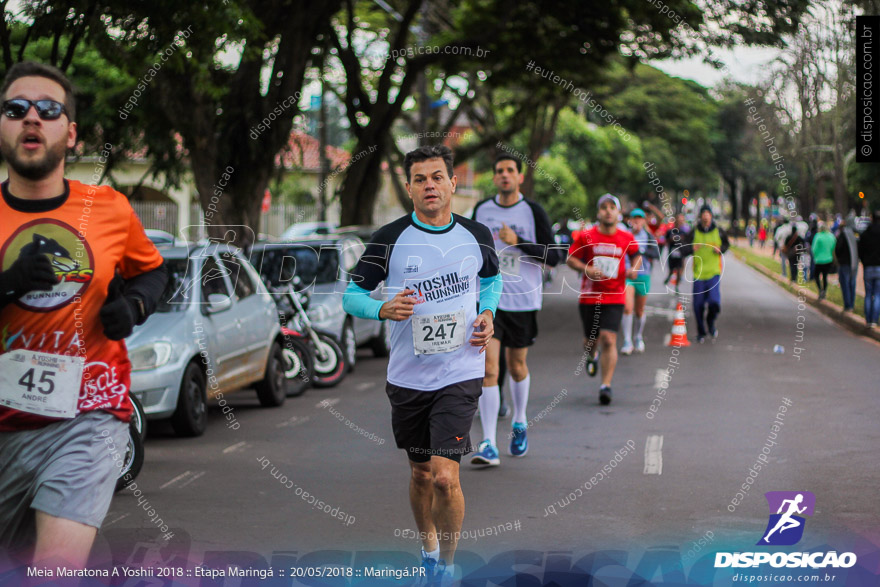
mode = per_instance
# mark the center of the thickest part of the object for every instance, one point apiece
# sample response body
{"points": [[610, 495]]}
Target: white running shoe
{"points": [[640, 345], [627, 348]]}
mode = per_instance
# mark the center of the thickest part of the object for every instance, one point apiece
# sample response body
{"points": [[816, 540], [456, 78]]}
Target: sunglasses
{"points": [[18, 108]]}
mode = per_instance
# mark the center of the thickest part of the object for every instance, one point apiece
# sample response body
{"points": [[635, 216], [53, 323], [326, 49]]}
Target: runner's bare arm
{"points": [[590, 271], [400, 307], [635, 265], [486, 327]]}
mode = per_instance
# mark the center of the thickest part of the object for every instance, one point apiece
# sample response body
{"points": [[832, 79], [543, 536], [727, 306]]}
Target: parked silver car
{"points": [[306, 229], [323, 265], [216, 329]]}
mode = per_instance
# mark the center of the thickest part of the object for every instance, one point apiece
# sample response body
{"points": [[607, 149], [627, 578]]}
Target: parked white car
{"points": [[215, 330]]}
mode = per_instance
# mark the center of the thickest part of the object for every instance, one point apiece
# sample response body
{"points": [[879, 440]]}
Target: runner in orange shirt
{"points": [[64, 370]]}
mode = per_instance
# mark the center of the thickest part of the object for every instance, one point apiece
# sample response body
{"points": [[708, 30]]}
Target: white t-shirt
{"points": [[521, 264], [430, 350]]}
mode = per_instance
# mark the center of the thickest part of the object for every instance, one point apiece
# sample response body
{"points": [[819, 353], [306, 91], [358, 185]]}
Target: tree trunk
{"points": [[731, 190], [363, 178], [543, 129], [232, 211], [394, 161], [803, 189], [840, 200]]}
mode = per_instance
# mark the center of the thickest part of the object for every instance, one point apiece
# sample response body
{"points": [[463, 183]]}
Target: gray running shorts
{"points": [[67, 469]]}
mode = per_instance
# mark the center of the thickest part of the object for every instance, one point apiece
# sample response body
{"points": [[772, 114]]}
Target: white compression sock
{"points": [[490, 401], [519, 391], [434, 554], [641, 324], [627, 325]]}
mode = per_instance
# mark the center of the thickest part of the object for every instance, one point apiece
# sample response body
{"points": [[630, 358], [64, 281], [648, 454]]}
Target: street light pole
{"points": [[322, 139]]}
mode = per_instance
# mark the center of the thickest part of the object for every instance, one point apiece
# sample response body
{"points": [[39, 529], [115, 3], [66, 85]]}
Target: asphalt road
{"points": [[687, 465]]}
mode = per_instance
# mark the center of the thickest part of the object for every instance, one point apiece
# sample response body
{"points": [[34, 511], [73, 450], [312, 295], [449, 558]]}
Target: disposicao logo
{"points": [[785, 527], [786, 524]]}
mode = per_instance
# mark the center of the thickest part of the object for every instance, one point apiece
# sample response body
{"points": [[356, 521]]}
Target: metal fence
{"points": [[157, 215], [281, 216], [272, 223], [165, 216]]}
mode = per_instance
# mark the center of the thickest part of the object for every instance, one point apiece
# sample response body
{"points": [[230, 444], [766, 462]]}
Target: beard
{"points": [[607, 223], [35, 169]]}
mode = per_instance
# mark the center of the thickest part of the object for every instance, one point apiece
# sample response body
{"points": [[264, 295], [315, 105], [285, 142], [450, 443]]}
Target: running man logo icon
{"points": [[786, 524], [459, 438]]}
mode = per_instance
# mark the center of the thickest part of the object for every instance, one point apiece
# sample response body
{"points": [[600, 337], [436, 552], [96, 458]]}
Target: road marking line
{"points": [[658, 311], [654, 455], [176, 479], [660, 377], [113, 521], [193, 478], [364, 385], [286, 422], [326, 403], [292, 422], [234, 447]]}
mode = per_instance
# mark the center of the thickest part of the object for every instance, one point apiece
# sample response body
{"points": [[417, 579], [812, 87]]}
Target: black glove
{"points": [[119, 313], [28, 273]]}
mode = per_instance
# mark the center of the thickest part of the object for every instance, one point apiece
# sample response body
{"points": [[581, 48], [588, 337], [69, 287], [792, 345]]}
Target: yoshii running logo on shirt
{"points": [[442, 287]]}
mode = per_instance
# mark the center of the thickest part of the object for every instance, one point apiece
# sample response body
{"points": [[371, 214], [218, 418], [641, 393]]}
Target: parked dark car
{"points": [[323, 265]]}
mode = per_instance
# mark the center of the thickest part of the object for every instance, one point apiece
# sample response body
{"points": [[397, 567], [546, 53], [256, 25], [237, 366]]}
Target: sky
{"points": [[746, 64]]}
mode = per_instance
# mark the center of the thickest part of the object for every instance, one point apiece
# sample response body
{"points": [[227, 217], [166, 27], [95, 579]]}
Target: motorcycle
{"points": [[328, 359], [133, 459], [299, 361]]}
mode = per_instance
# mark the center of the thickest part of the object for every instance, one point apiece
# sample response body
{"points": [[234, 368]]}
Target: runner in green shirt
{"points": [[823, 254]]}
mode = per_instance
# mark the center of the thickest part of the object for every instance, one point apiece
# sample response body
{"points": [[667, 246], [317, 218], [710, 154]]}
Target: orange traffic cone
{"points": [[679, 336]]}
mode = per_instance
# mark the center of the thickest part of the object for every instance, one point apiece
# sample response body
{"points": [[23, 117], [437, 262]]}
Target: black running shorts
{"points": [[516, 330], [596, 317], [434, 423]]}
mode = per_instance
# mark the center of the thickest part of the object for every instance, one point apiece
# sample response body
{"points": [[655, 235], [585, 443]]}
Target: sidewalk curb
{"points": [[851, 322]]}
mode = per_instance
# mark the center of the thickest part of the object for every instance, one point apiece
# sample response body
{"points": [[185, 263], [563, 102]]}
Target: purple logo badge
{"points": [[786, 524]]}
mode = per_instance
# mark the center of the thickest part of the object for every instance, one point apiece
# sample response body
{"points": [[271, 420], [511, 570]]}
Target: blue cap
{"points": [[637, 213]]}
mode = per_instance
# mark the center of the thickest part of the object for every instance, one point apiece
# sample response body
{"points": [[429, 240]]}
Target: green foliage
{"points": [[100, 88], [599, 157], [485, 186], [558, 189], [865, 178], [672, 116], [294, 188], [825, 207]]}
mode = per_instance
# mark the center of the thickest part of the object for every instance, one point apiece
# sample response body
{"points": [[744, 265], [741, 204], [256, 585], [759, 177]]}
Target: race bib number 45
{"points": [[40, 383], [438, 333]]}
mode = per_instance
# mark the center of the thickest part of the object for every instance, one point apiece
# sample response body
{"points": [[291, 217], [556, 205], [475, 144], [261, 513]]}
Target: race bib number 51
{"points": [[509, 262], [40, 383], [438, 333]]}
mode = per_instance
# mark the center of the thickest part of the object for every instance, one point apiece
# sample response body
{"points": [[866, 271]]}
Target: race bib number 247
{"points": [[438, 333]]}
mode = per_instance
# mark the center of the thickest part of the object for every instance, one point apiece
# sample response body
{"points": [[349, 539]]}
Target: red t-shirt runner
{"points": [[607, 252], [88, 238]]}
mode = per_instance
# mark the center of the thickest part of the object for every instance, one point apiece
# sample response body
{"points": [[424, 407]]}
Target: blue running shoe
{"points": [[519, 444], [446, 575], [430, 566], [487, 455]]}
